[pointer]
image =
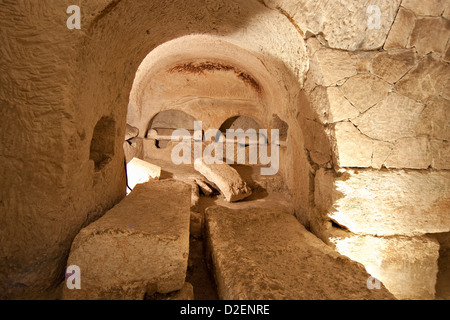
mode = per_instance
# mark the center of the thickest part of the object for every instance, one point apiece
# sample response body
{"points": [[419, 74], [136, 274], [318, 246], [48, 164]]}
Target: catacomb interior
{"points": [[354, 203]]}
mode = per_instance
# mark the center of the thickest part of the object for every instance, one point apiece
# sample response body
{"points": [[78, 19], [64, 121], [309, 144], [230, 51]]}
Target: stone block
{"points": [[266, 254], [364, 91], [342, 24], [435, 119], [395, 202], [225, 178], [406, 266], [204, 187], [392, 65], [334, 66], [410, 153], [440, 154], [393, 118], [427, 79], [133, 148], [425, 8], [430, 35], [340, 108], [131, 132], [400, 30], [354, 149], [139, 247]]}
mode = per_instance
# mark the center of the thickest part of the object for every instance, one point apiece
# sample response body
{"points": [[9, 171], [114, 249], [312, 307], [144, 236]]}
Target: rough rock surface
{"points": [[426, 80], [334, 66], [133, 148], [204, 187], [340, 107], [226, 179], [392, 65], [139, 247], [342, 24], [430, 35], [393, 118], [395, 202], [186, 293], [364, 91], [267, 254], [131, 132], [406, 266], [401, 30], [426, 8], [355, 149]]}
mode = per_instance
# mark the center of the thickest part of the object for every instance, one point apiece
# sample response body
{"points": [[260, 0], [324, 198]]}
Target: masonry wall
{"points": [[364, 108]]}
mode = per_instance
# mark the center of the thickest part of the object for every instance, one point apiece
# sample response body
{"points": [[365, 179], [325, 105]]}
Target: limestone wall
{"points": [[387, 114]]}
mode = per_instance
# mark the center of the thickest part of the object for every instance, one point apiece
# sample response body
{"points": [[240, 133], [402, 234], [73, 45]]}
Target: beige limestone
{"points": [[317, 142], [140, 171], [401, 30], [435, 119], [365, 61], [185, 294], [393, 118], [410, 153], [446, 90], [381, 151], [446, 57], [426, 8], [340, 107], [394, 202], [133, 148], [406, 266], [204, 187], [195, 194], [57, 83], [267, 254], [440, 153], [430, 35], [392, 65], [364, 91], [225, 178], [139, 247], [354, 149], [323, 189], [342, 24], [426, 80], [333, 66], [131, 132]]}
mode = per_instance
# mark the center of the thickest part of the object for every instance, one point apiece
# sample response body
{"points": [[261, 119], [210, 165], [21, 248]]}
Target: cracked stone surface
{"points": [[267, 254], [364, 91], [342, 24], [376, 202], [394, 64], [393, 118], [430, 35], [426, 80], [139, 247], [226, 179], [401, 30], [407, 266]]}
